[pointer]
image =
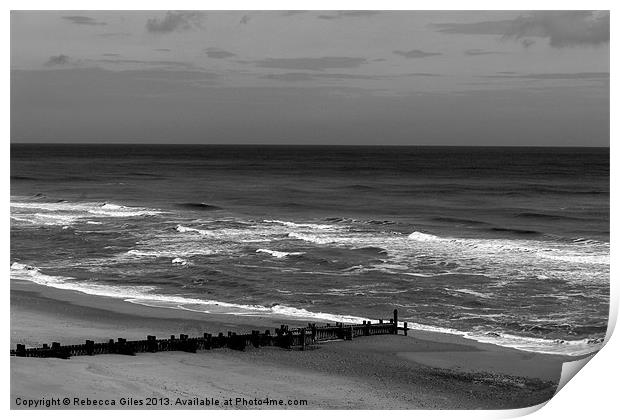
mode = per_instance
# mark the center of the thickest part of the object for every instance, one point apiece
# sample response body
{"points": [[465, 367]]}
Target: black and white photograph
{"points": [[306, 209]]}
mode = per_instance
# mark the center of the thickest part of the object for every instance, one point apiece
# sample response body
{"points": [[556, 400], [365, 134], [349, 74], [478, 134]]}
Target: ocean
{"points": [[502, 245]]}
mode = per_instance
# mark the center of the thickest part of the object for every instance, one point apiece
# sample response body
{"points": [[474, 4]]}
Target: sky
{"points": [[483, 78]]}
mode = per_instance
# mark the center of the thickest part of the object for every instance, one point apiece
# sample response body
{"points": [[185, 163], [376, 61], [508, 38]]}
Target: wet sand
{"points": [[422, 371]]}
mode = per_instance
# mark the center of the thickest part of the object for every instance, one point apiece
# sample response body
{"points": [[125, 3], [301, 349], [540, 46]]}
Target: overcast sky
{"points": [[353, 77]]}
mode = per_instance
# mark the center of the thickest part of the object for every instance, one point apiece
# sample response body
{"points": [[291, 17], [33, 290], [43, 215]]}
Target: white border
{"points": [[591, 395]]}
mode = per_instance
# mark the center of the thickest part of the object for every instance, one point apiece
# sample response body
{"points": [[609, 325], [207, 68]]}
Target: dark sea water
{"points": [[505, 245]]}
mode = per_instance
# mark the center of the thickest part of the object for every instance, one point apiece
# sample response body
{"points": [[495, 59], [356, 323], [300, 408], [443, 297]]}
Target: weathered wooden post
{"points": [[279, 336], [90, 347], [395, 321], [256, 338], [289, 339], [171, 344], [57, 352], [55, 348], [123, 348], [21, 350], [405, 327], [151, 343], [187, 344], [303, 339], [349, 333]]}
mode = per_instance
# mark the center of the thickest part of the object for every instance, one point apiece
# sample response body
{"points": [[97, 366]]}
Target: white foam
{"points": [[473, 293], [304, 225], [278, 254], [166, 253], [185, 229], [429, 255], [539, 345], [577, 259], [321, 240], [423, 237], [144, 295], [29, 273], [66, 213]]}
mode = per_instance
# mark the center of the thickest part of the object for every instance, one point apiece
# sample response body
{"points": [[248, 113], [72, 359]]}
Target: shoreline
{"points": [[424, 370], [571, 348]]}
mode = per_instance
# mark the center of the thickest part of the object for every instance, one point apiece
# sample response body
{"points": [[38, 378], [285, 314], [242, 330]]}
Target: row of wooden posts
{"points": [[283, 337]]}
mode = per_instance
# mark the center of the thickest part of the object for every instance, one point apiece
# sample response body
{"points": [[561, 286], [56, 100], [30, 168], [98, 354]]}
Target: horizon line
{"points": [[16, 143]]}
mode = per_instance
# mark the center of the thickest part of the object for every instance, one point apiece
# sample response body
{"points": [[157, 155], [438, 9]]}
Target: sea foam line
{"points": [[66, 213], [278, 254], [143, 295]]}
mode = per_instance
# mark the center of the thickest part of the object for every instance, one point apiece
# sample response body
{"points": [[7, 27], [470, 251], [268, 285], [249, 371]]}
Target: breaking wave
{"points": [[66, 213], [147, 296], [185, 229], [278, 254], [423, 237], [314, 226]]}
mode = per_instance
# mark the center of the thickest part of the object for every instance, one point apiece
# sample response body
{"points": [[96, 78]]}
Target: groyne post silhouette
{"points": [[288, 338]]}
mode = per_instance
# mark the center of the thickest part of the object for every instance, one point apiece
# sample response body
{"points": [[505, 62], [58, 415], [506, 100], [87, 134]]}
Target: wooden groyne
{"points": [[284, 337]]}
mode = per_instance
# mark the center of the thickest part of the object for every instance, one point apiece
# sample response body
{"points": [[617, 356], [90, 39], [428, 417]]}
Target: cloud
{"points": [[305, 77], [58, 60], [159, 63], [498, 27], [290, 77], [163, 49], [311, 63], [83, 20], [526, 42], [175, 21], [564, 28], [476, 51], [552, 76], [415, 53], [218, 53], [425, 74], [349, 14]]}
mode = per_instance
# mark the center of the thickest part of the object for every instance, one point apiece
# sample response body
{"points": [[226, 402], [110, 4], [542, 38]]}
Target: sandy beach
{"points": [[422, 371]]}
